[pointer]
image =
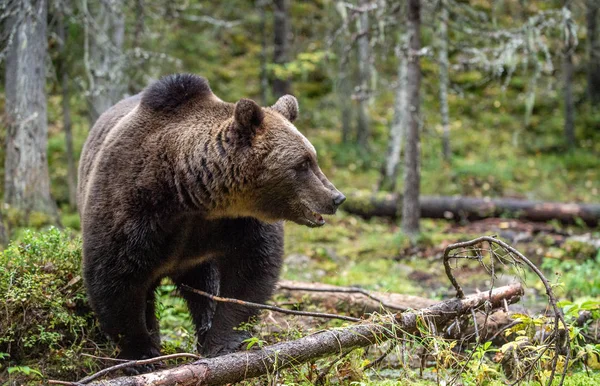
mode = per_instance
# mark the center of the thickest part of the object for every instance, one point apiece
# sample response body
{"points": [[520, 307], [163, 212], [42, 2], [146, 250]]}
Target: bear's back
{"points": [[94, 143], [182, 104]]}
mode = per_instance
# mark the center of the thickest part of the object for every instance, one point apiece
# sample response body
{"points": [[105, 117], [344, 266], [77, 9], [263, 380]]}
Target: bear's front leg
{"points": [[248, 272], [120, 305]]}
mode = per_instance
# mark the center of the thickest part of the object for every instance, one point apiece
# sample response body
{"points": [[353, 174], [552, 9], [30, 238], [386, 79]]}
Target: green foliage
{"points": [[176, 327], [46, 323], [577, 278]]}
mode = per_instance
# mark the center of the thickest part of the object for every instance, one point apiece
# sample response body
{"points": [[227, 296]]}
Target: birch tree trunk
{"points": [[66, 110], [389, 175], [444, 81], [281, 32], [364, 58], [26, 181], [593, 48], [411, 211], [344, 81], [104, 60]]}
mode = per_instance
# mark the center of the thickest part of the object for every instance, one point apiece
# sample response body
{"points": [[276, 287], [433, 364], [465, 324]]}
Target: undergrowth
{"points": [[46, 323]]}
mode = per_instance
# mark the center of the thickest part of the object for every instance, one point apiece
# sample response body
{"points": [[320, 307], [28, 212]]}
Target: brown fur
{"points": [[175, 182]]}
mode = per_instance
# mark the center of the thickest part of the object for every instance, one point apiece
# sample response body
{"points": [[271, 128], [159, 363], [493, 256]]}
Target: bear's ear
{"points": [[248, 115], [287, 106]]}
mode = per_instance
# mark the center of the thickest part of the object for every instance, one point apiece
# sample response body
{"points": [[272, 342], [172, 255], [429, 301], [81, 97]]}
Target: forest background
{"points": [[494, 99]]}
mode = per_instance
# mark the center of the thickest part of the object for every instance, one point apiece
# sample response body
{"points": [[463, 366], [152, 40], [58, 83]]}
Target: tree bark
{"points": [[281, 32], [244, 365], [470, 208], [389, 172], [411, 212], [26, 182], [593, 48], [63, 76], [364, 75], [444, 79], [103, 57]]}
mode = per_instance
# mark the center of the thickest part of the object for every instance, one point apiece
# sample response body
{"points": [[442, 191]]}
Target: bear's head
{"points": [[287, 183]]}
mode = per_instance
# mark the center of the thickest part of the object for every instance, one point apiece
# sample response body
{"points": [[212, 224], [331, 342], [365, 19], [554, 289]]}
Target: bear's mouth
{"points": [[313, 219]]}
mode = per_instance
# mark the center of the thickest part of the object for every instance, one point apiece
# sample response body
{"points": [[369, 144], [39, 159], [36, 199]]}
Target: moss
{"points": [[46, 321]]}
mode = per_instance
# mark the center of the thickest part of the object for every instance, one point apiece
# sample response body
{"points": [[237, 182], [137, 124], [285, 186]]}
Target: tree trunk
{"points": [[471, 208], [344, 91], [412, 175], [444, 79], [389, 175], [241, 366], [66, 110], [281, 32], [593, 48], [567, 65], [364, 75], [140, 16], [103, 57], [26, 182], [264, 76]]}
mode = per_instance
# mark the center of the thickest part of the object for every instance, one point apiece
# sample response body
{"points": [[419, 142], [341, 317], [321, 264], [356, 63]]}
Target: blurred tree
{"points": [[281, 32], [344, 92], [364, 75], [444, 79], [593, 49], [63, 77], [26, 182], [389, 172], [531, 65], [264, 76], [104, 34], [411, 211], [570, 42], [343, 84]]}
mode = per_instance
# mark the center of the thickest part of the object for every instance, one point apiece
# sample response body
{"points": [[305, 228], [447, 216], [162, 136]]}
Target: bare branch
{"points": [[269, 307]]}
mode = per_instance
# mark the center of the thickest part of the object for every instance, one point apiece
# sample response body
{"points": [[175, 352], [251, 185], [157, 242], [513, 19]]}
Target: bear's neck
{"points": [[212, 178]]}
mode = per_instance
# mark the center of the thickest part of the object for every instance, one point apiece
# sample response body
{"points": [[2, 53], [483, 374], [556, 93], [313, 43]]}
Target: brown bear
{"points": [[174, 182]]}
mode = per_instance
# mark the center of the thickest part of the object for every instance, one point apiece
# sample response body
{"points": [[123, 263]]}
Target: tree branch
{"points": [[243, 365]]}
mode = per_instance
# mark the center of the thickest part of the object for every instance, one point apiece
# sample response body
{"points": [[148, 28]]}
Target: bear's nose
{"points": [[339, 199]]}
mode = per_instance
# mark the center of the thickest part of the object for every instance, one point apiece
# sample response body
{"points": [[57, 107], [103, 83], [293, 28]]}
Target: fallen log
{"points": [[248, 364], [349, 300], [368, 205], [357, 302]]}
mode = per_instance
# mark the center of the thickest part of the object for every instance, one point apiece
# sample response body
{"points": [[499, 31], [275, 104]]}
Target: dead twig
{"points": [[124, 365], [321, 378], [381, 357], [269, 307], [517, 258], [345, 290]]}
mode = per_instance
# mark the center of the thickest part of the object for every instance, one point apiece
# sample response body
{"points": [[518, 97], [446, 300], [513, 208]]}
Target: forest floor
{"points": [[373, 255]]}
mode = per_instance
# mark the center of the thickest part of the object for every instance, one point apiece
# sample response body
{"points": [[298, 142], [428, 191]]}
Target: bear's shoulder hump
{"points": [[171, 92]]}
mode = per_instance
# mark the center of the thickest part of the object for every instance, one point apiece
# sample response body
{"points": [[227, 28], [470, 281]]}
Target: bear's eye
{"points": [[305, 165]]}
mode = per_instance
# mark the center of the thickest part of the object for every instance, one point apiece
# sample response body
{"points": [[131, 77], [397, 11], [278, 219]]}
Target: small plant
{"points": [[254, 341]]}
